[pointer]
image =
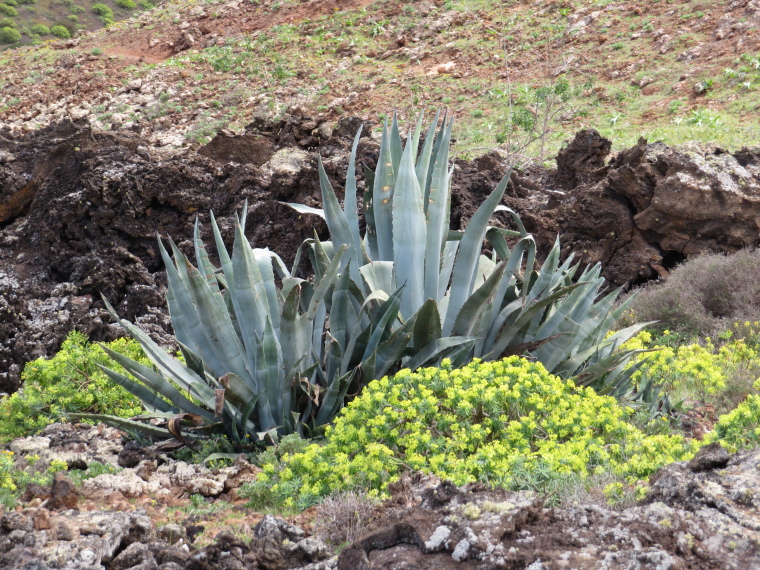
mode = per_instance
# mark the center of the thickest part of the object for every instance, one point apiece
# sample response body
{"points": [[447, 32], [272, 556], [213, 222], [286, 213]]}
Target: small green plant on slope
{"points": [[69, 382], [9, 35], [102, 10], [60, 32], [9, 11]]}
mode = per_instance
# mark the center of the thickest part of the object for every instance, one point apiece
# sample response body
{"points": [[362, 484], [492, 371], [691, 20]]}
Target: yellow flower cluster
{"points": [[484, 422], [6, 471], [692, 368]]}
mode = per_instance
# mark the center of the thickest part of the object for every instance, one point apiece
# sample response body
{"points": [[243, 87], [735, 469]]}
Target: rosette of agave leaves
{"points": [[265, 353]]}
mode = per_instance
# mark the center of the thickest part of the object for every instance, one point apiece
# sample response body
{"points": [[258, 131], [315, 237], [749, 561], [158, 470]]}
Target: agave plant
{"points": [[503, 304]]}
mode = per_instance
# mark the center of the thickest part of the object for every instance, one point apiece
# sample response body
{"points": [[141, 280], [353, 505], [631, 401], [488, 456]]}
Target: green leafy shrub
{"points": [[8, 10], [145, 5], [739, 428], [703, 295], [126, 4], [27, 1], [60, 32], [100, 9], [7, 23], [69, 382], [40, 29], [9, 35], [493, 422], [10, 2]]}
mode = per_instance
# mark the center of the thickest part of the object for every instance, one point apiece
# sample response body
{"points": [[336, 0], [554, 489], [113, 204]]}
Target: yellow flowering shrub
{"points": [[6, 471], [691, 367], [748, 331], [16, 473], [739, 428], [485, 422]]}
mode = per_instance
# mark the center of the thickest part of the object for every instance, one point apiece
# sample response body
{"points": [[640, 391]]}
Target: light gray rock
{"points": [[72, 545]]}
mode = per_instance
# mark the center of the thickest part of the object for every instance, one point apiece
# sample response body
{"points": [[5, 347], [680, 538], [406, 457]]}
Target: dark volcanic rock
{"points": [[711, 456], [582, 162], [63, 493], [80, 212], [133, 453], [650, 207]]}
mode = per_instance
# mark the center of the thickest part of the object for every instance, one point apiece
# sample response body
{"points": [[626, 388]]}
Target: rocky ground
{"points": [[702, 514]]}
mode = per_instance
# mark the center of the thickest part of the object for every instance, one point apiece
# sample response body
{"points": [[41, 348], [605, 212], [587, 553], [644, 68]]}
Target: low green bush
{"points": [[703, 295], [9, 11], [9, 36], [7, 23], [60, 32], [10, 2], [507, 423], [69, 382], [40, 29], [126, 4], [102, 10]]}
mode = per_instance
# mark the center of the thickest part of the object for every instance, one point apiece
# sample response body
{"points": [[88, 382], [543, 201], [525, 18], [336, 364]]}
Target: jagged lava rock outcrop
{"points": [[650, 207]]}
